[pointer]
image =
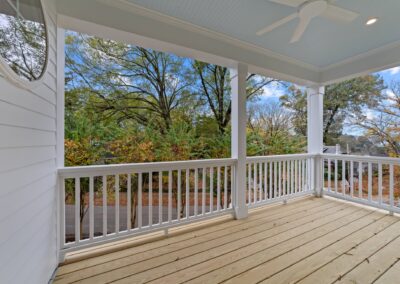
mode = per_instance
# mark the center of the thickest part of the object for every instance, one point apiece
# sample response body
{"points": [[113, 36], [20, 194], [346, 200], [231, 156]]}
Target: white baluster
{"points": [[179, 207], [187, 201], [160, 197], [91, 208], [150, 193], [140, 209], [380, 183], [203, 191], [343, 177], [360, 170], [265, 180], [336, 176], [225, 187], [211, 189], [116, 203], [77, 209], [352, 178], [369, 182], [196, 191], [305, 175], [255, 183], [296, 177], [260, 180], [284, 179], [218, 189], [292, 178], [279, 178], [288, 191], [391, 188], [300, 175], [128, 202], [169, 196], [249, 183], [105, 205], [270, 179]]}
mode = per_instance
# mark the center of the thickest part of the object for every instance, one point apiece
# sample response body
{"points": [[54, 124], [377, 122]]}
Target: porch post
{"points": [[238, 144], [315, 127]]}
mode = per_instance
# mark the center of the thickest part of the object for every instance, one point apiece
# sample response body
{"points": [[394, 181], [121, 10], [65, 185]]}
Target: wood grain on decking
{"points": [[312, 240]]}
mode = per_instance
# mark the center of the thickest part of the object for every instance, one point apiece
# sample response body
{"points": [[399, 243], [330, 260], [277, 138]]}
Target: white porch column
{"points": [[315, 127], [238, 144]]}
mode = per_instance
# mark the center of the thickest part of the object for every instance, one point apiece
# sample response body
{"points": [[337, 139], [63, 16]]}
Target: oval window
{"points": [[23, 39]]}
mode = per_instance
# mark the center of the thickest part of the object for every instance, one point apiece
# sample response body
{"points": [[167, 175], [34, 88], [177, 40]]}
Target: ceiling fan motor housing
{"points": [[312, 9]]}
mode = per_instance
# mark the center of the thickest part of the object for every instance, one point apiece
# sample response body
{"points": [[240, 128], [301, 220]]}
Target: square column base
{"points": [[241, 213]]}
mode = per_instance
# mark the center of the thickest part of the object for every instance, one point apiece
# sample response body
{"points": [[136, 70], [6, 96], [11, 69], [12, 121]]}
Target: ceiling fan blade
{"points": [[291, 3], [276, 24], [301, 28], [336, 13]]}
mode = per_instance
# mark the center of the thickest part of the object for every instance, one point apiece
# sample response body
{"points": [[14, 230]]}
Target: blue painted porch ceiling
{"points": [[324, 43]]}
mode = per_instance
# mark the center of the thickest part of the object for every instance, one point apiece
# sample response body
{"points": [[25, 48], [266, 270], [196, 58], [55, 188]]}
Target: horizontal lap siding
{"points": [[28, 176]]}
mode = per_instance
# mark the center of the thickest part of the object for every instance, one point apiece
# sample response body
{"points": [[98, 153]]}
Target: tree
{"points": [[383, 124], [23, 46], [296, 102], [342, 101], [271, 131], [133, 83], [214, 90]]}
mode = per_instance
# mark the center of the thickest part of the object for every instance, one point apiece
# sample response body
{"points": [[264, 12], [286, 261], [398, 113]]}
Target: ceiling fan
{"points": [[306, 11]]}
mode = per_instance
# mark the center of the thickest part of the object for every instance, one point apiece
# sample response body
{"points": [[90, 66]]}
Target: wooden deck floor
{"points": [[313, 240]]}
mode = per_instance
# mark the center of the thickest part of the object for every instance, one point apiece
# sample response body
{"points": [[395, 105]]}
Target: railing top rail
{"points": [[84, 171], [280, 157], [373, 159]]}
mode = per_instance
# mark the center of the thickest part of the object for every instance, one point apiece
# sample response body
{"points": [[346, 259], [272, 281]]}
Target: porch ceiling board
{"points": [[329, 52]]}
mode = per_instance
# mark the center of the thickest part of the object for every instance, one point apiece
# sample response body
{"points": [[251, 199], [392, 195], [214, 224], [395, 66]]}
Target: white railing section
{"points": [[101, 203], [373, 181], [104, 203], [276, 178]]}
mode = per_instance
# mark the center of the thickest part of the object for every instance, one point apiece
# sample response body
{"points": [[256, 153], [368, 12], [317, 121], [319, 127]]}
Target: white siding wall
{"points": [[28, 241]]}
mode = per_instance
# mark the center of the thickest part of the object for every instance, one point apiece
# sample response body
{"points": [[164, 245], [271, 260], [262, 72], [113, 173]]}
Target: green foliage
{"points": [[342, 101]]}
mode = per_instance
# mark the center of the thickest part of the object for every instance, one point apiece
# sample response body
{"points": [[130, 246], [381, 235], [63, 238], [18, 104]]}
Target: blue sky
{"points": [[274, 91], [390, 74]]}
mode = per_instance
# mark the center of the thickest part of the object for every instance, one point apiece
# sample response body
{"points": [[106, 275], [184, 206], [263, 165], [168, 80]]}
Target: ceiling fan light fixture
{"points": [[371, 21]]}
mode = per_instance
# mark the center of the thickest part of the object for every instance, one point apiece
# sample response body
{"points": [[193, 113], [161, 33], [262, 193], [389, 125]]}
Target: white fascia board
{"points": [[373, 61]]}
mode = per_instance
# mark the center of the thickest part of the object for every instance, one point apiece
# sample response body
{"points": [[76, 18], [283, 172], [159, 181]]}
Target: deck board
{"points": [[255, 219], [312, 240]]}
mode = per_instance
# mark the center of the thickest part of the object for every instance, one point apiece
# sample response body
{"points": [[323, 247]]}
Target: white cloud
{"points": [[394, 70], [273, 90], [370, 114], [390, 93]]}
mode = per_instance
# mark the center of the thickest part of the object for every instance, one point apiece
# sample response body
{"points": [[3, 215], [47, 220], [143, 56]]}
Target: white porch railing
{"points": [[104, 203], [275, 178], [146, 197], [372, 181]]}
